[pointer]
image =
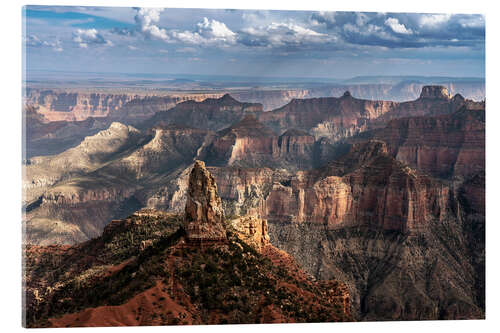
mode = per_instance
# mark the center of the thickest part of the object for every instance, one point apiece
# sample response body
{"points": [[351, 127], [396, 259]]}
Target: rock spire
{"points": [[204, 215]]}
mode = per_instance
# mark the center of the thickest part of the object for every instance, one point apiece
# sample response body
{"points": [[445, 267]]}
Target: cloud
{"points": [[146, 20], [216, 30], [397, 27], [132, 47], [34, 41], [86, 37], [326, 18], [319, 31], [208, 32], [399, 30], [476, 21], [433, 20], [280, 34]]}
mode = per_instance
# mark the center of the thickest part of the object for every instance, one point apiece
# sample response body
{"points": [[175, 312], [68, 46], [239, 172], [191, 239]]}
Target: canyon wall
{"points": [[444, 146]]}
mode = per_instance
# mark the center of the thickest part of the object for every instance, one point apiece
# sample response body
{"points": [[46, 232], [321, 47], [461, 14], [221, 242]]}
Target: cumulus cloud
{"points": [[146, 20], [34, 41], [323, 30], [208, 31], [397, 27], [213, 29], [86, 37]]}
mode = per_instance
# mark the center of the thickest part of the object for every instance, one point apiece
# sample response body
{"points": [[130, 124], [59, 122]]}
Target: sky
{"points": [[252, 43]]}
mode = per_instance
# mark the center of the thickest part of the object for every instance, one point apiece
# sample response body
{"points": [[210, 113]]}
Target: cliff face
{"points": [[341, 118], [365, 188], [140, 109], [252, 230], [204, 217], [444, 146], [331, 117], [72, 105], [249, 143], [131, 108]]}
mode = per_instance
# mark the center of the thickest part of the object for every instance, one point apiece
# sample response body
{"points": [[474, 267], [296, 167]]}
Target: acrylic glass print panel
{"points": [[203, 166]]}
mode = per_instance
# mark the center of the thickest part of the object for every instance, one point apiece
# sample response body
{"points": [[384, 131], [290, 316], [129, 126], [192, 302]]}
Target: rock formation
{"points": [[250, 143], [80, 104], [366, 187], [252, 230], [211, 113], [204, 215], [332, 117], [444, 146], [435, 92]]}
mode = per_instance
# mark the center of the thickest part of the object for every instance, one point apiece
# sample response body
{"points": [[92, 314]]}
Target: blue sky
{"points": [[252, 43]]}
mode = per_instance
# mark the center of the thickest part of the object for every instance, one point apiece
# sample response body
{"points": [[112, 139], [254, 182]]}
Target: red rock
{"points": [[204, 215], [444, 146], [252, 230]]}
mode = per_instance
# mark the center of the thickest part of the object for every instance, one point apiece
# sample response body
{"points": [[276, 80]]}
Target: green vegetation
{"points": [[226, 283]]}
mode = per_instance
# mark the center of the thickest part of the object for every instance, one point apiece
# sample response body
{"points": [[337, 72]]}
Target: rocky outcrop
{"points": [[435, 92], [204, 215], [247, 141], [252, 230], [107, 176]]}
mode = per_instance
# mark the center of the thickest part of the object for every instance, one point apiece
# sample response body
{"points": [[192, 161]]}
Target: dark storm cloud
{"points": [[396, 30]]}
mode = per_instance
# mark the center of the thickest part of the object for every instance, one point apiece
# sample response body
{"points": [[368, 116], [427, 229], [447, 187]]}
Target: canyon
{"points": [[385, 196], [186, 270]]}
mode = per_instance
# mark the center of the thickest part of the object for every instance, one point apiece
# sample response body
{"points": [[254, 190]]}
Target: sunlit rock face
{"points": [[204, 215]]}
